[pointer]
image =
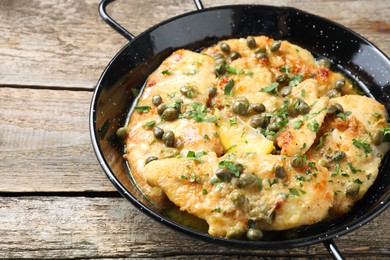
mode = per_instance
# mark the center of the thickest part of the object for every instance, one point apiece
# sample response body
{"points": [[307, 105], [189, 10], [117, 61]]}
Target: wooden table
{"points": [[55, 200]]}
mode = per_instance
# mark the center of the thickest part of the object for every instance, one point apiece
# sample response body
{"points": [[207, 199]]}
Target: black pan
{"points": [[128, 70]]}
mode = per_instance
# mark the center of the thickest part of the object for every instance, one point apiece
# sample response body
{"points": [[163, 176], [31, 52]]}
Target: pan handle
{"points": [[333, 250], [116, 26], [198, 4], [119, 28]]}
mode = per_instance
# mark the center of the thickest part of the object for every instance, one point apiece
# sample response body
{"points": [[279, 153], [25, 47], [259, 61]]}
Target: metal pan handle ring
{"points": [[119, 28], [333, 250]]}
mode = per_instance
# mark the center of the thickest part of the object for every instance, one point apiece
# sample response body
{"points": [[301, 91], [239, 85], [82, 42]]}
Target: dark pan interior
{"points": [[130, 67]]}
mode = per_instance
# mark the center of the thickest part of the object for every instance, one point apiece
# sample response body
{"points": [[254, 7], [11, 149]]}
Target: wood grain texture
{"points": [[51, 56], [45, 144], [58, 227], [66, 44]]}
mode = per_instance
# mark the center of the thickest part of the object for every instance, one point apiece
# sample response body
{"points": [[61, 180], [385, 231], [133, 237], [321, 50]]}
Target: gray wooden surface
{"points": [[55, 201]]}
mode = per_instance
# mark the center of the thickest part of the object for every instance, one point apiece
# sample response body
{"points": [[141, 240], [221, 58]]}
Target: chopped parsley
{"points": [[271, 88], [386, 133], [235, 71], [285, 69], [191, 155], [353, 169], [313, 126], [295, 80], [336, 170], [142, 109], [214, 180], [377, 115], [234, 168], [172, 95], [362, 145], [229, 87], [166, 72], [344, 115], [217, 210], [296, 192], [297, 124], [198, 113], [150, 124], [259, 182]]}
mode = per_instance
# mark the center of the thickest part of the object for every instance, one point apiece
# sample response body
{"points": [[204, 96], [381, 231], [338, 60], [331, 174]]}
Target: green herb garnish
{"points": [[362, 145], [142, 109], [271, 88], [229, 87]]}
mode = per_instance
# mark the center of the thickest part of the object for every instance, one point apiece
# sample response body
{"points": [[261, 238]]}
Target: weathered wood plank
{"points": [[58, 227], [43, 41], [45, 144]]}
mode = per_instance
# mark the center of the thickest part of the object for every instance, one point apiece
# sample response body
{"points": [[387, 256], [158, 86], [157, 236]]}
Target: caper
{"points": [[121, 133], [246, 179], [293, 107], [339, 108], [240, 106], [220, 61], [285, 91], [187, 91], [331, 109], [170, 114], [224, 173], [275, 46], [225, 47], [275, 124], [280, 172], [218, 56], [151, 158], [169, 152], [156, 100], [257, 108], [257, 121], [179, 101], [333, 93], [260, 50], [261, 55], [234, 233], [168, 138], [251, 42], [219, 69], [237, 197], [282, 78], [212, 91], [234, 55], [161, 108], [239, 167], [296, 161], [338, 156], [352, 190], [324, 162], [254, 234], [339, 84], [184, 90], [303, 108], [324, 63], [377, 137], [158, 132]]}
